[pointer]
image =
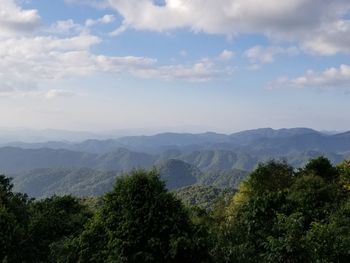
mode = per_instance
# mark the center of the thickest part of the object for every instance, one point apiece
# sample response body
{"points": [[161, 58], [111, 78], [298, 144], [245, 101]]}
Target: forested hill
{"points": [[184, 159], [86, 182], [279, 214]]}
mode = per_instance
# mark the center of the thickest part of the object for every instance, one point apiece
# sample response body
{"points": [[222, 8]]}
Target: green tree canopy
{"points": [[13, 221], [140, 221], [280, 215]]}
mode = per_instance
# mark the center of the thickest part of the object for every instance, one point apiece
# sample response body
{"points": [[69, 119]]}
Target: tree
{"points": [[329, 241], [52, 220], [322, 167], [140, 221], [314, 197], [282, 216], [29, 228], [13, 221], [344, 174], [270, 177], [260, 199]]}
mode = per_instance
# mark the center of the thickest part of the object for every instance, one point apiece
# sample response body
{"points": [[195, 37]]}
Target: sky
{"points": [[175, 65]]}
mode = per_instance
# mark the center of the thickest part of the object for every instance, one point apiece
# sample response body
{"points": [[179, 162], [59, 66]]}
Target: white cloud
{"points": [[70, 27], [29, 61], [259, 54], [106, 19], [52, 58], [329, 39], [226, 55], [294, 20], [15, 85], [16, 21], [101, 4], [203, 70], [331, 78], [229, 16], [65, 27]]}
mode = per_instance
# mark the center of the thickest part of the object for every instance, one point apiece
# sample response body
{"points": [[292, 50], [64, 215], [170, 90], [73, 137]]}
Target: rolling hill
{"points": [[183, 159]]}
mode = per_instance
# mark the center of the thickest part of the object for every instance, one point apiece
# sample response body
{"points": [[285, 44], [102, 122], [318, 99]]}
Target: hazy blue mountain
{"points": [[345, 135], [38, 145], [301, 143], [96, 146], [14, 160], [177, 173], [60, 181], [165, 141], [17, 159], [268, 133], [174, 153], [260, 140], [124, 160], [149, 144], [183, 159], [214, 160], [90, 146], [207, 151]]}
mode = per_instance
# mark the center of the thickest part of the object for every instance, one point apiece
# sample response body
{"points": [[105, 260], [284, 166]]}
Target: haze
{"points": [[174, 65]]}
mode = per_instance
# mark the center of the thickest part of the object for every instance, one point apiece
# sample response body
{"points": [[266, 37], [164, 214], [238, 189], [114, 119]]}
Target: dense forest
{"points": [[278, 214]]}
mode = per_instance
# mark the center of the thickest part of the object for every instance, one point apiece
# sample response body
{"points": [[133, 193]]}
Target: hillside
{"points": [[177, 173], [209, 160], [183, 159], [14, 160], [87, 182], [61, 181]]}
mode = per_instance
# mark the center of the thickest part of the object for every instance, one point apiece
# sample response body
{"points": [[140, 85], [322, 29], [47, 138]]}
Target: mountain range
{"points": [[214, 159]]}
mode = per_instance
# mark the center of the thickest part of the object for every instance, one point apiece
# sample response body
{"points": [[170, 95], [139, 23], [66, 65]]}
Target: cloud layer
{"points": [[331, 78], [31, 55], [294, 20], [15, 21], [259, 54]]}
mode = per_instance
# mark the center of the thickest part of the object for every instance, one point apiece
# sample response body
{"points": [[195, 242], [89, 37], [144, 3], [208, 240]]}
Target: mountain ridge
{"points": [[185, 159]]}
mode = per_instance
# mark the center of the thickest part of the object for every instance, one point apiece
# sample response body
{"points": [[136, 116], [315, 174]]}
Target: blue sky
{"points": [[176, 65]]}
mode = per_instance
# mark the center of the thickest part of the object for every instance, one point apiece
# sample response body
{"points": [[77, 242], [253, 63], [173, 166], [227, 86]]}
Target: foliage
{"points": [[14, 218], [322, 167], [28, 228], [140, 221], [279, 214], [283, 215], [204, 197], [344, 174], [53, 219]]}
